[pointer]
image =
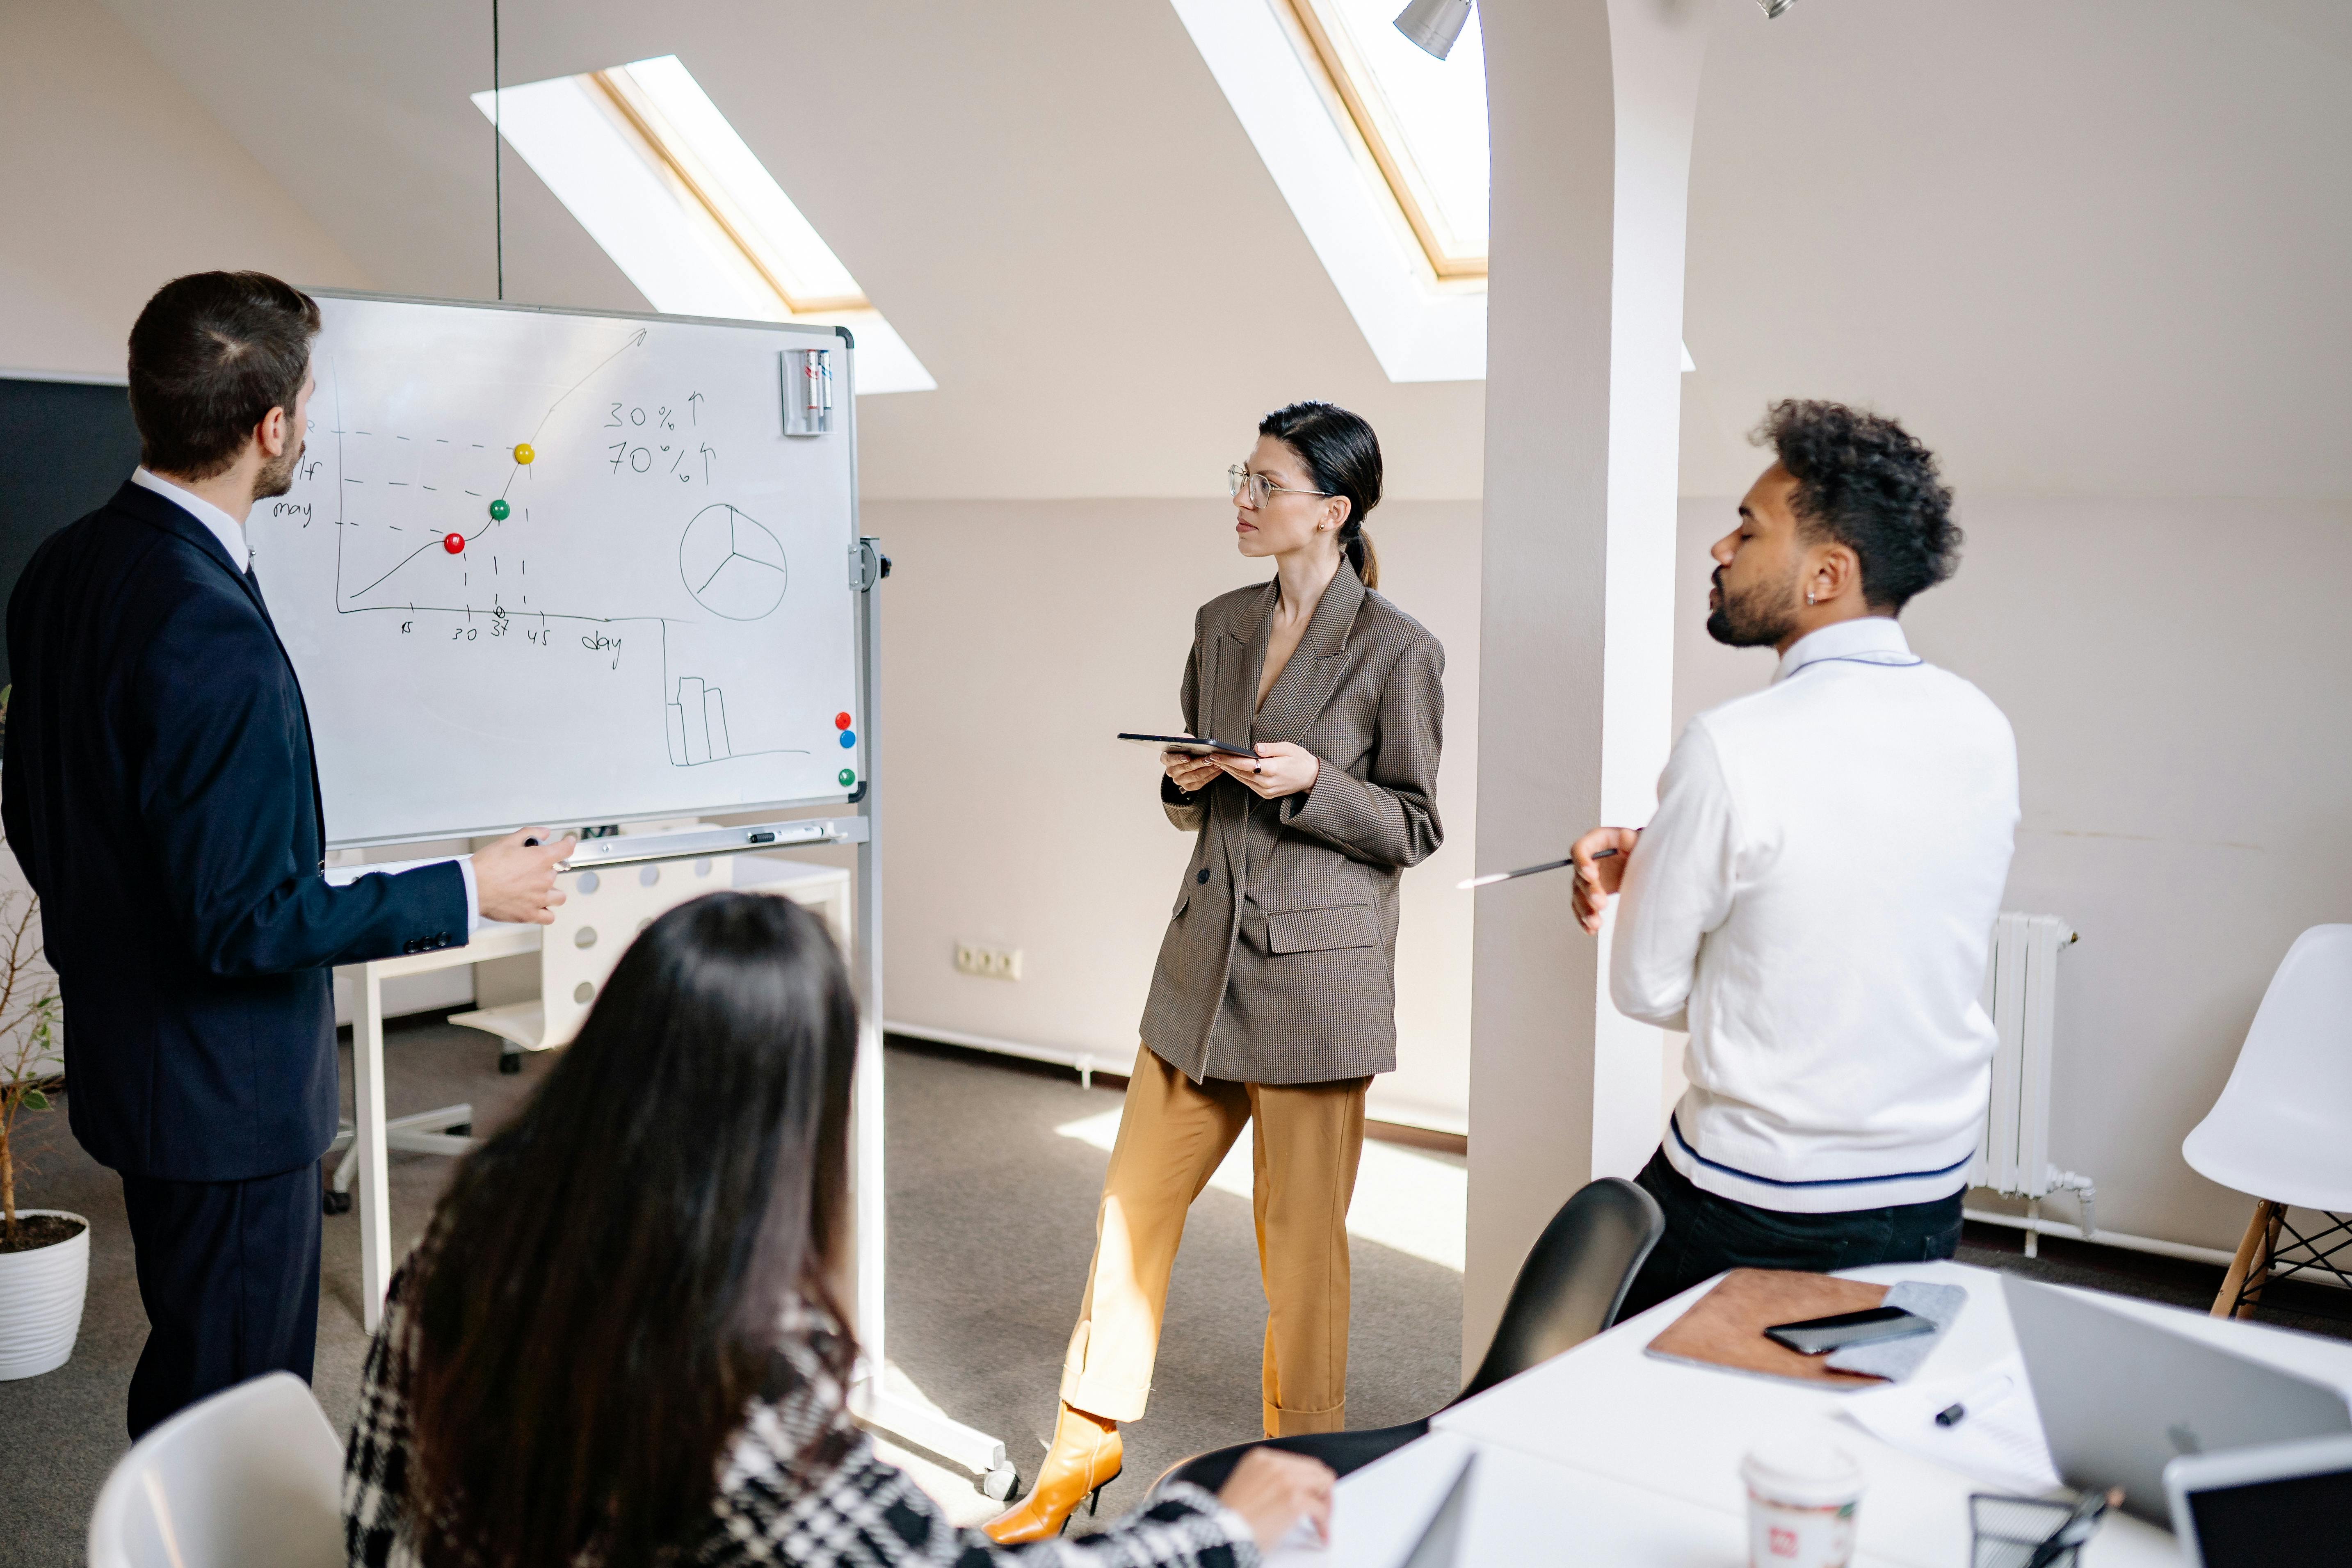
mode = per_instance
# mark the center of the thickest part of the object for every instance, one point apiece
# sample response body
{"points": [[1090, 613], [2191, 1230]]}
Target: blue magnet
{"points": [[848, 739]]}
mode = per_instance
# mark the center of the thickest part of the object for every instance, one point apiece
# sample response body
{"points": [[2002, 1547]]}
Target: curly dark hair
{"points": [[1871, 485]]}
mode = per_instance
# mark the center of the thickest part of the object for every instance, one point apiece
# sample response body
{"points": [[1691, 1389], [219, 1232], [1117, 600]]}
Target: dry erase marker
{"points": [[1526, 870]]}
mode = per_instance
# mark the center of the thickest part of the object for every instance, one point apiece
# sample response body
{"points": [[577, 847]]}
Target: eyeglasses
{"points": [[1240, 481]]}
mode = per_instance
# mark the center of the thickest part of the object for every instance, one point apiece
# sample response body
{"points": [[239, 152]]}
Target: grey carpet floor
{"points": [[991, 1218]]}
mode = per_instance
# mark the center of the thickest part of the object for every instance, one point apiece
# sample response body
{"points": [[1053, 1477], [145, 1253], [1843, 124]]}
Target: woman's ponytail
{"points": [[1358, 545], [1341, 450]]}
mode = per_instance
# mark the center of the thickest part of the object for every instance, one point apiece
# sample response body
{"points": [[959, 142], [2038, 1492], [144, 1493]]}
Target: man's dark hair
{"points": [[210, 356], [1868, 483]]}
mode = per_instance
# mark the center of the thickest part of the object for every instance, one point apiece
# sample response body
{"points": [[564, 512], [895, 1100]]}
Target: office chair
{"points": [[251, 1478], [1569, 1289], [2277, 1134]]}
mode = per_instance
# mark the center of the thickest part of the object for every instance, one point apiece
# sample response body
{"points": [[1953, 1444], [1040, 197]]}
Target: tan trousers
{"points": [[1171, 1134]]}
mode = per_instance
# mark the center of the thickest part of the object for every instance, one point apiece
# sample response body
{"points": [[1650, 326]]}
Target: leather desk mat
{"points": [[1725, 1327]]}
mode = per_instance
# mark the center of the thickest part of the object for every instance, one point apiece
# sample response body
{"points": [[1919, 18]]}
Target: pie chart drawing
{"points": [[731, 565]]}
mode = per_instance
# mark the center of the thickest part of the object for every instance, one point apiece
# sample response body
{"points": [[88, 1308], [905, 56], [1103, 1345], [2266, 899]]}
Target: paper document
{"points": [[1996, 1439]]}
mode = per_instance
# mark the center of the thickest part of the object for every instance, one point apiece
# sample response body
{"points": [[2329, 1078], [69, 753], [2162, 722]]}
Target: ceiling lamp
{"points": [[1433, 25]]}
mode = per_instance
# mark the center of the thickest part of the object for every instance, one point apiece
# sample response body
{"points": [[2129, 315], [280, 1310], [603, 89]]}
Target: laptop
{"points": [[2122, 1397], [2282, 1505]]}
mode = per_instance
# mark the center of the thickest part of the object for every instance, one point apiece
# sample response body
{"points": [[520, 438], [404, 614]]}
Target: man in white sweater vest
{"points": [[1815, 898]]}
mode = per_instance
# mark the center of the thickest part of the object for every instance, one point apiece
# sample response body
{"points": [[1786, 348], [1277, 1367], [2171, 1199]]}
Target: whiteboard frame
{"points": [[846, 407]]}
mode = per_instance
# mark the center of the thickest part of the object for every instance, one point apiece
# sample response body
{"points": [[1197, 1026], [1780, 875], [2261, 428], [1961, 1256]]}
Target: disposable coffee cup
{"points": [[1801, 1500]]}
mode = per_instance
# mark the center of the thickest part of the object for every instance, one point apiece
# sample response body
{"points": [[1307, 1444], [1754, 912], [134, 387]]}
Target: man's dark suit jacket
{"points": [[160, 794]]}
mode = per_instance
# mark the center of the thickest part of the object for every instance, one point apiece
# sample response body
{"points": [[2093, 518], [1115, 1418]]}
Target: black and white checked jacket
{"points": [[857, 1510]]}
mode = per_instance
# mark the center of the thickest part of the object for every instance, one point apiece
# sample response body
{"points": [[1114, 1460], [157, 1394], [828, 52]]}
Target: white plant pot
{"points": [[40, 1301]]}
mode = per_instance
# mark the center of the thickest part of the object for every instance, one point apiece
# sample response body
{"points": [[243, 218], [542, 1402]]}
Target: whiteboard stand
{"points": [[870, 1398]]}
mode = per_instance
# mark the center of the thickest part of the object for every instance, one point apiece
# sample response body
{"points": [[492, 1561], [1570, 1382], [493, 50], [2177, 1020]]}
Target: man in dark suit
{"points": [[161, 793]]}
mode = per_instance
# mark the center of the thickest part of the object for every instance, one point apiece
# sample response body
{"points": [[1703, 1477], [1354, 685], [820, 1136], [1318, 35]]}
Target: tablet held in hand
{"points": [[1190, 744]]}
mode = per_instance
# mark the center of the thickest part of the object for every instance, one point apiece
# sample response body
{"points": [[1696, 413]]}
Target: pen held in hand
{"points": [[1526, 871]]}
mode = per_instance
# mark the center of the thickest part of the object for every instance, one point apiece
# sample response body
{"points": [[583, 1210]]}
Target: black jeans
{"points": [[229, 1274], [1706, 1234]]}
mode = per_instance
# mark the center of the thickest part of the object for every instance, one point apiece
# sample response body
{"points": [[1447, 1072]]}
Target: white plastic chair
{"points": [[2283, 1128], [251, 1478]]}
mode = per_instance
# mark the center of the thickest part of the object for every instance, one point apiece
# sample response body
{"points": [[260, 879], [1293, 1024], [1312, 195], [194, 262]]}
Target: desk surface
{"points": [[1608, 1455]]}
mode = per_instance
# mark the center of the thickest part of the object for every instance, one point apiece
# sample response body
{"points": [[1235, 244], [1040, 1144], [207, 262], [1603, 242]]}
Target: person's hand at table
{"points": [[1187, 772], [1274, 1490], [1279, 768], [1597, 881], [516, 882]]}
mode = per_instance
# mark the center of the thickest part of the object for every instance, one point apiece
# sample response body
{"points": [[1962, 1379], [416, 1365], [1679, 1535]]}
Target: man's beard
{"points": [[276, 476], [1760, 617]]}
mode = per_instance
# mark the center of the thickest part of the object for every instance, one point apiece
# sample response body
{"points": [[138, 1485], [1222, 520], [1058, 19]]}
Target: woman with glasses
{"points": [[1275, 998], [619, 1342]]}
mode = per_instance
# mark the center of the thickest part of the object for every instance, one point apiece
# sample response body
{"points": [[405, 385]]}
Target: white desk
{"points": [[1606, 1456]]}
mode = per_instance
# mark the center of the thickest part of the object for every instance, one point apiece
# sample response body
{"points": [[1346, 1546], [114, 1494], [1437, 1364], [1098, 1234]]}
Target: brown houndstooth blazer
{"points": [[1279, 964]]}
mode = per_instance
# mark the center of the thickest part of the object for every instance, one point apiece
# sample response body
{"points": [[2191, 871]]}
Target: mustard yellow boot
{"points": [[1084, 1459]]}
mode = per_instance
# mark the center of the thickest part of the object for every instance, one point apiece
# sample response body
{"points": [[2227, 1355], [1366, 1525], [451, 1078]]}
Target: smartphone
{"points": [[1819, 1336]]}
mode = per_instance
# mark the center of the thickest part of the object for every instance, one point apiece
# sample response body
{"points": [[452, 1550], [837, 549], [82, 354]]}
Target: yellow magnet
{"points": [[523, 453]]}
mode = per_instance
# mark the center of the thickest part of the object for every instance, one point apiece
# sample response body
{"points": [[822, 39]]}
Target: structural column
{"points": [[1592, 103]]}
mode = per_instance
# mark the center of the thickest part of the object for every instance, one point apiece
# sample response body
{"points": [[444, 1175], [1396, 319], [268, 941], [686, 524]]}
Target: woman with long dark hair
{"points": [[1275, 998], [618, 1345]]}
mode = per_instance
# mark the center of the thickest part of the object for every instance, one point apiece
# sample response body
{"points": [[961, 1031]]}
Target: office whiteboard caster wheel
{"points": [[510, 1063], [1001, 1484], [337, 1202]]}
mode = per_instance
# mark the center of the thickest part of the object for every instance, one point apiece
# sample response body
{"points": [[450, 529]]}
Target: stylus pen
{"points": [[1526, 871]]}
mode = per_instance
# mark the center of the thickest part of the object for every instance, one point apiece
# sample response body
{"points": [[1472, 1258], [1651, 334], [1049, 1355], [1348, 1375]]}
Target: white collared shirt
{"points": [[1813, 902], [223, 527], [231, 534]]}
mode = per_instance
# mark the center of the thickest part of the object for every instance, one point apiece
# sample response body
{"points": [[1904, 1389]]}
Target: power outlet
{"points": [[988, 962]]}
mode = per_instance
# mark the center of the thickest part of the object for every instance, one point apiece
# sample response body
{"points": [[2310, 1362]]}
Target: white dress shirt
{"points": [[223, 527], [1814, 903], [231, 534]]}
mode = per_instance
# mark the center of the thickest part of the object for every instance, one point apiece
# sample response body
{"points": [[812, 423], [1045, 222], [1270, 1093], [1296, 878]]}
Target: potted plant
{"points": [[44, 1253]]}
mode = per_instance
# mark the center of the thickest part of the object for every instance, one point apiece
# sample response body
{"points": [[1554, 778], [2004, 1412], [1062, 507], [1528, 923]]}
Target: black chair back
{"points": [[1574, 1279]]}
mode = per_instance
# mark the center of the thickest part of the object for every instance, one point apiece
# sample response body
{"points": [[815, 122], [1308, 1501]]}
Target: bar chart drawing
{"points": [[697, 723]]}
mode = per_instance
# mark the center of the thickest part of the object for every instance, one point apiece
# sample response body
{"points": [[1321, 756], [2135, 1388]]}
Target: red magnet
{"points": [[453, 543], [841, 720]]}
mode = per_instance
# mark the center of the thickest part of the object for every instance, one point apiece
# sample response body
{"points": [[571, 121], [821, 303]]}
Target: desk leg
{"points": [[368, 1148]]}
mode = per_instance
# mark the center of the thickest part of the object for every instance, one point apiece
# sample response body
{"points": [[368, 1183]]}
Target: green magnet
{"points": [[849, 776], [498, 512]]}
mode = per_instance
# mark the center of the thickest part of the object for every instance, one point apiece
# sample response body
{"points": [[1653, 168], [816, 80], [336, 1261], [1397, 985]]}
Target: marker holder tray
{"points": [[2006, 1530]]}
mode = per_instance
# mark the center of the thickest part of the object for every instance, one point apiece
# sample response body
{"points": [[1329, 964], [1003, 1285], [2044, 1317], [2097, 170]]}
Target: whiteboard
{"points": [[661, 622]]}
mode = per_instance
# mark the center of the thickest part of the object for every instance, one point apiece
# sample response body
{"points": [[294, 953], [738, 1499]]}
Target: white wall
{"points": [[2175, 671], [115, 181], [1019, 637]]}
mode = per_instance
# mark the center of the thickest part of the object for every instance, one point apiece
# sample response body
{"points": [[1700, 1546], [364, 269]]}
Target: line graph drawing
{"points": [[731, 565], [471, 530]]}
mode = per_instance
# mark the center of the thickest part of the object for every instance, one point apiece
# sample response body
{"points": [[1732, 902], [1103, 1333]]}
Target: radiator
{"points": [[2020, 994]]}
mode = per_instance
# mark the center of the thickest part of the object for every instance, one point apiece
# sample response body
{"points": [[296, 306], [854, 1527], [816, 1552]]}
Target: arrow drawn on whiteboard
{"points": [[637, 340]]}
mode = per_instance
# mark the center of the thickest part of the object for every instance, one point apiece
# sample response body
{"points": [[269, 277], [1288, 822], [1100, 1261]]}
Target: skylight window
{"points": [[1396, 212], [1423, 120], [645, 162]]}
